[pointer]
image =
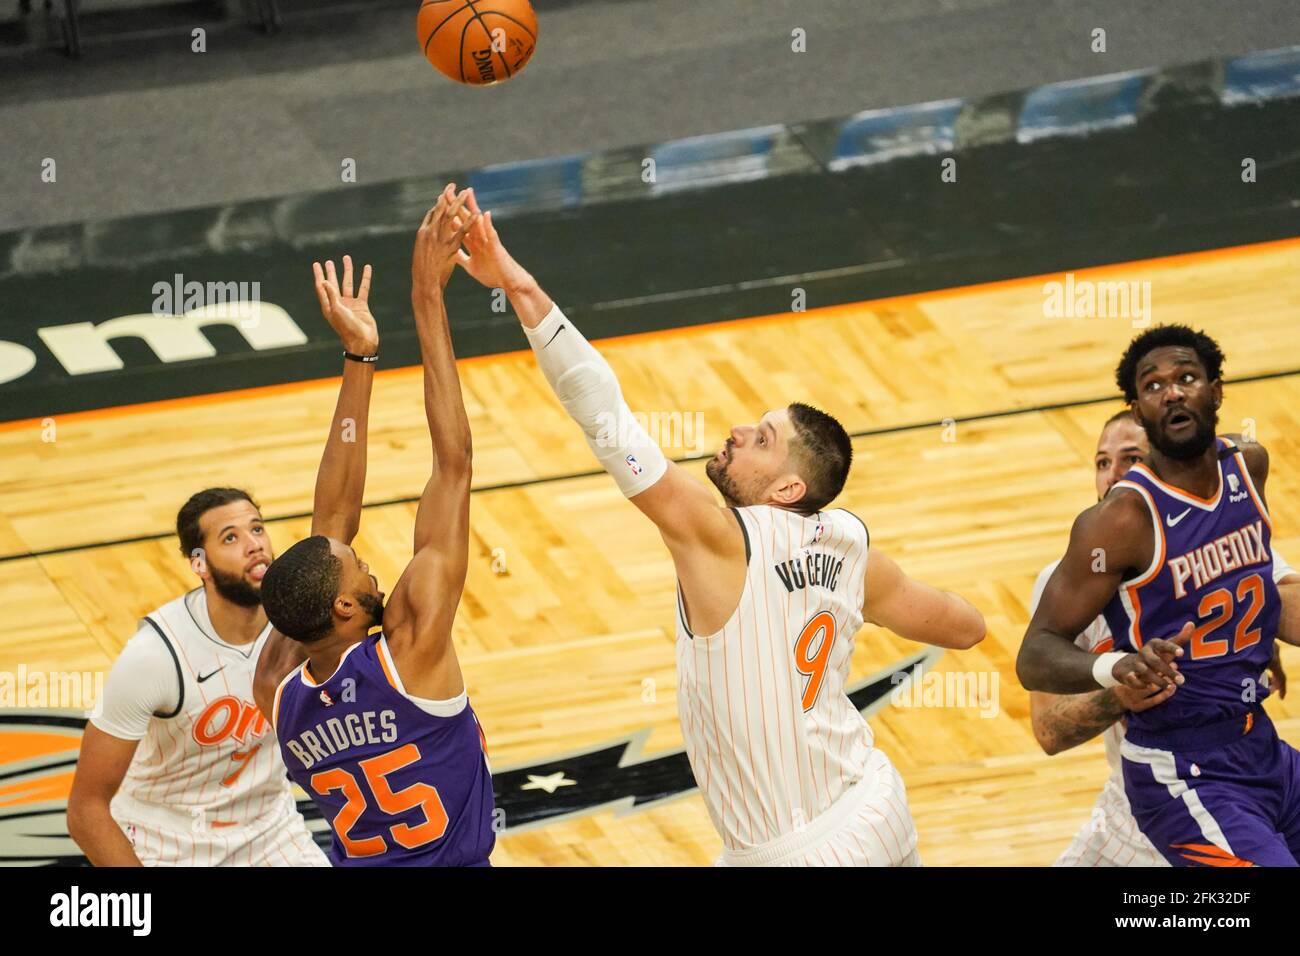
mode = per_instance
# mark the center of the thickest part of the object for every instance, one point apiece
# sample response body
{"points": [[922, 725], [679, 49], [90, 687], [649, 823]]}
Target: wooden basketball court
{"points": [[975, 414]]}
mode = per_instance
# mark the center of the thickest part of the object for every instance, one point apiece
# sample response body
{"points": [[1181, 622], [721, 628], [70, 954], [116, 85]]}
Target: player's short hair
{"points": [[1162, 336], [1123, 415], [299, 589], [825, 452], [200, 503]]}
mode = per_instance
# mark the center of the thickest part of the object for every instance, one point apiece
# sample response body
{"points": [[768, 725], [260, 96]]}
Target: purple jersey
{"points": [[403, 781], [1213, 565]]}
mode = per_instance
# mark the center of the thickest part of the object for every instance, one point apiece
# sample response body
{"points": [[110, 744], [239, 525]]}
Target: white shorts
{"points": [[869, 824], [161, 838], [1110, 837]]}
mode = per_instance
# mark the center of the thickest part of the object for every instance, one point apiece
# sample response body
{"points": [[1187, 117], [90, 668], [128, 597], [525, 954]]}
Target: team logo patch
{"points": [[40, 755]]}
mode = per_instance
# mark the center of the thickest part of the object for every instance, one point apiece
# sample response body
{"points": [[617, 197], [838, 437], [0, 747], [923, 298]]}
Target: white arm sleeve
{"points": [[1280, 568], [143, 683], [589, 391]]}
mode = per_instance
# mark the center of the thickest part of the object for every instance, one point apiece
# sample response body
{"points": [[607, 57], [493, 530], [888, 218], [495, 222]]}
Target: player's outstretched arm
{"points": [[916, 611], [424, 600], [341, 478], [684, 510], [1105, 542]]}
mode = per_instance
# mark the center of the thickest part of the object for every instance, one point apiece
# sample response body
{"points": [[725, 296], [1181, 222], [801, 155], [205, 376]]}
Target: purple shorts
{"points": [[1232, 805]]}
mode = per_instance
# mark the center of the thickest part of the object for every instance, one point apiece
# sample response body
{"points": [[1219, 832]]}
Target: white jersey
{"points": [[207, 784], [773, 738]]}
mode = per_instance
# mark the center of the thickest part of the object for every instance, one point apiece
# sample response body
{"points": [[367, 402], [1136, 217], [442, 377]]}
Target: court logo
{"points": [[40, 756]]}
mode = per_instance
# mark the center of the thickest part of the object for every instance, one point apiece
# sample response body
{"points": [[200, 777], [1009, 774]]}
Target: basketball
{"points": [[478, 42]]}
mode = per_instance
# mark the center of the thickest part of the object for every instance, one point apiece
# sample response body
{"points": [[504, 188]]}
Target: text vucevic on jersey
{"points": [[339, 733], [817, 569]]}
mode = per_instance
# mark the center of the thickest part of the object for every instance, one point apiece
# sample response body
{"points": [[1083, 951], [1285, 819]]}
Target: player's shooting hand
{"points": [[1154, 667], [1137, 701], [348, 315], [487, 261], [438, 241]]}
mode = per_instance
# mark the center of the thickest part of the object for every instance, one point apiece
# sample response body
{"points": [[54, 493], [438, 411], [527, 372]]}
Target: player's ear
{"points": [[199, 562], [789, 491]]}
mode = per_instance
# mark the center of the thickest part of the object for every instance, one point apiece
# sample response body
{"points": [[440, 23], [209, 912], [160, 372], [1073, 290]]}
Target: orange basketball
{"points": [[477, 41]]}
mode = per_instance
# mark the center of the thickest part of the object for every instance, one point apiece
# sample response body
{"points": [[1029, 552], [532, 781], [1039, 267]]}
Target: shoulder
{"points": [[1123, 510], [1255, 454]]}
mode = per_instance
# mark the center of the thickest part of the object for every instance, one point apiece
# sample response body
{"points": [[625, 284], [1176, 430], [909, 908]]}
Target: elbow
{"points": [[80, 813], [971, 632], [1049, 744], [1027, 669]]}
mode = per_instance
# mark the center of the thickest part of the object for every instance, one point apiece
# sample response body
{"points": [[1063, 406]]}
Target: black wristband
{"points": [[353, 357]]}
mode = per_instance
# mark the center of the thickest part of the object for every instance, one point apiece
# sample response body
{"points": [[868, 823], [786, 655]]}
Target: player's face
{"points": [[1122, 445], [358, 582], [1177, 404], [236, 552], [752, 459]]}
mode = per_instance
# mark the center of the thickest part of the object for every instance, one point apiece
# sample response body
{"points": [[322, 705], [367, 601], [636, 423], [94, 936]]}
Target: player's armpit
{"points": [[279, 656], [1106, 541], [687, 514], [101, 765], [917, 611]]}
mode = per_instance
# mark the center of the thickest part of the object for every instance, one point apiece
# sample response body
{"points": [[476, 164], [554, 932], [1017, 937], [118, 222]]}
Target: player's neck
{"points": [[323, 656], [234, 623], [1199, 475]]}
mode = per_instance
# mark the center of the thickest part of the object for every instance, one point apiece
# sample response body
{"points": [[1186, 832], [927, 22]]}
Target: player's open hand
{"points": [[487, 260], [348, 314], [1154, 667], [438, 241]]}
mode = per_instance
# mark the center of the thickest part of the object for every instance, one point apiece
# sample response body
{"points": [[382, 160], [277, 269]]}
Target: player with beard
{"points": [[378, 728], [773, 586], [1111, 836], [1178, 557], [177, 767]]}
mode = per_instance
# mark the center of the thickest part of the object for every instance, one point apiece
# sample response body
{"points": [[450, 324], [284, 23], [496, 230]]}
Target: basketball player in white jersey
{"points": [[1111, 836], [181, 767], [773, 585]]}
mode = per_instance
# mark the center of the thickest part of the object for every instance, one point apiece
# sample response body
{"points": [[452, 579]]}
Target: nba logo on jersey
{"points": [[326, 699], [633, 465]]}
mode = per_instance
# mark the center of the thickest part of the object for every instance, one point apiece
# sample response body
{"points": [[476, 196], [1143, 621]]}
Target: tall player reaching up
{"points": [[378, 728], [1178, 557], [772, 588]]}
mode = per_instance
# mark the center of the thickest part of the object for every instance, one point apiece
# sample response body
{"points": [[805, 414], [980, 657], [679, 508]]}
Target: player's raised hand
{"points": [[487, 260], [348, 314], [438, 241], [1154, 667]]}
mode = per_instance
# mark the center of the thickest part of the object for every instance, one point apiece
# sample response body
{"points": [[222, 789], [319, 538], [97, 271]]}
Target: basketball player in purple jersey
{"points": [[1178, 557], [378, 728]]}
